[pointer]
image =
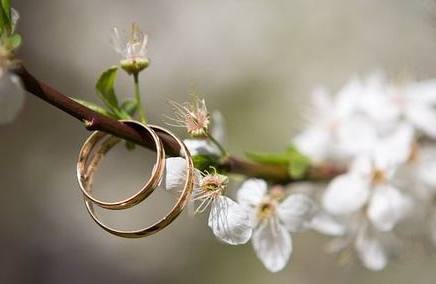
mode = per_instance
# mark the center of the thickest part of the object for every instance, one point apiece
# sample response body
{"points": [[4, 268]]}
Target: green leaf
{"points": [[105, 88], [16, 40], [204, 162], [6, 5], [96, 108], [264, 158], [5, 22], [130, 107], [5, 17], [298, 163]]}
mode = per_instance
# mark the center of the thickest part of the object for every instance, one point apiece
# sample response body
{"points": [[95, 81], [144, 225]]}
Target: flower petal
{"points": [[422, 92], [395, 148], [201, 147], [423, 116], [229, 221], [346, 99], [251, 192], [388, 206], [11, 96], [371, 252], [296, 211], [315, 142], [356, 135], [326, 224], [272, 244], [345, 194], [427, 166], [175, 173]]}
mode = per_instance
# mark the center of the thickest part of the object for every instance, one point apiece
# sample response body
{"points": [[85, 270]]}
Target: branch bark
{"points": [[95, 121]]}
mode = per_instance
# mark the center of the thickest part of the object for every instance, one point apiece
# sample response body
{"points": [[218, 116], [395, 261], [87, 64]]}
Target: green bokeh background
{"points": [[255, 61]]}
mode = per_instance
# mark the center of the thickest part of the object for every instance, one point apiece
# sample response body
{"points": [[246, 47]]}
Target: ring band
{"points": [[171, 215], [87, 166]]}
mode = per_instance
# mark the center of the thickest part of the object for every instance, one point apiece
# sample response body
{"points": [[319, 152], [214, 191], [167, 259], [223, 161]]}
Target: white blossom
{"points": [[367, 187], [132, 45], [336, 129], [273, 220], [413, 102], [227, 219], [202, 146], [193, 117], [374, 248]]}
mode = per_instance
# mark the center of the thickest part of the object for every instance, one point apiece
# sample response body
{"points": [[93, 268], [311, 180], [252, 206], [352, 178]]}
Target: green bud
{"points": [[134, 66]]}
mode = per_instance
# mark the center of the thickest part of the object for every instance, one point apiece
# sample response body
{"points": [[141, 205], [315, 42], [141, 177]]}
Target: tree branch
{"points": [[95, 121]]}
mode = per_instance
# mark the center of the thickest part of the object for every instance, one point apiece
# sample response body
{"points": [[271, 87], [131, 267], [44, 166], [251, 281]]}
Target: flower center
{"points": [[266, 208], [197, 123], [213, 183], [378, 177], [414, 153]]}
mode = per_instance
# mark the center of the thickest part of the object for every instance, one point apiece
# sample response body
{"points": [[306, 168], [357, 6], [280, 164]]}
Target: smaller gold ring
{"points": [[87, 164], [171, 215]]}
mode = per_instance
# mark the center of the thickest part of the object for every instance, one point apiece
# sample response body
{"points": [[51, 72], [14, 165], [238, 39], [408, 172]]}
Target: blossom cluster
{"points": [[379, 131], [382, 132]]}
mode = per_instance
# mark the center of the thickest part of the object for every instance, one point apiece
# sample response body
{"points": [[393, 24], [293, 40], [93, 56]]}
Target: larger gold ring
{"points": [[87, 166], [171, 215]]}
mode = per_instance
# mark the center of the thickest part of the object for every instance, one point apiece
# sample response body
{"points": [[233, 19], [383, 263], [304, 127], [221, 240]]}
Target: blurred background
{"points": [[255, 61]]}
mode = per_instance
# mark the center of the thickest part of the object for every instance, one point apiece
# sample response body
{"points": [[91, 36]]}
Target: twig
{"points": [[95, 121]]}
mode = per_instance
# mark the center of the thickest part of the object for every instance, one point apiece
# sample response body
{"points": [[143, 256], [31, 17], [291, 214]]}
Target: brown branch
{"points": [[95, 121]]}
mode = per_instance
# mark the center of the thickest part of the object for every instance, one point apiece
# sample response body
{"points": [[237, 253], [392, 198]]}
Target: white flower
{"points": [[327, 224], [272, 221], [132, 46], [413, 102], [193, 117], [133, 49], [336, 129], [368, 186], [371, 251], [227, 219], [204, 146], [11, 96], [418, 174], [373, 247]]}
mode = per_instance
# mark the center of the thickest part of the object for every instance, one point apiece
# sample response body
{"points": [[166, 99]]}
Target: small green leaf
{"points": [[204, 162], [298, 163], [16, 40], [96, 108], [130, 107], [105, 88], [264, 158], [5, 22], [6, 5]]}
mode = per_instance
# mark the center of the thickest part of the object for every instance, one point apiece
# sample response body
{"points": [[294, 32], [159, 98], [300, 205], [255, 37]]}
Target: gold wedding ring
{"points": [[87, 166]]}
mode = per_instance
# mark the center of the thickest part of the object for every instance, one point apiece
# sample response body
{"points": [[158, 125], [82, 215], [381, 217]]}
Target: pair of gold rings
{"points": [[91, 155]]}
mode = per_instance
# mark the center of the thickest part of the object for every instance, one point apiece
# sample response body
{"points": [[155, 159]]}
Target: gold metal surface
{"points": [[88, 162], [87, 166]]}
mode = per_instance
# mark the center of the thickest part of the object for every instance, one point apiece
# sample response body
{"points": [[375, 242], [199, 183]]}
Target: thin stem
{"points": [[223, 151], [95, 121], [138, 97]]}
